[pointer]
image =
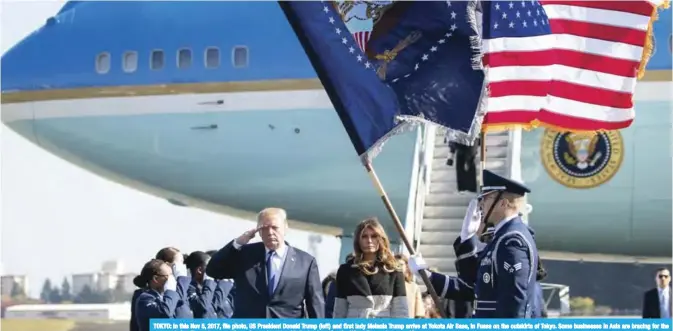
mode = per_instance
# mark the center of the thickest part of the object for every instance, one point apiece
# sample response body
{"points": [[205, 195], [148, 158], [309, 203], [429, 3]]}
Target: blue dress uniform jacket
{"points": [[183, 310], [150, 304], [459, 288], [134, 322], [200, 297], [500, 278], [223, 298], [505, 283]]}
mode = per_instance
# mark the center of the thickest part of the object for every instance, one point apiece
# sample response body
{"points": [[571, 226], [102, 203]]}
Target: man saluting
{"points": [[501, 277]]}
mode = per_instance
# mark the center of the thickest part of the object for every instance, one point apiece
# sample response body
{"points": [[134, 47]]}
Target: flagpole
{"points": [[482, 159], [403, 235]]}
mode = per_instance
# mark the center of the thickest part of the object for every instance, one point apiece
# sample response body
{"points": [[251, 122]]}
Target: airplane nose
{"points": [[21, 69], [15, 114], [19, 118]]}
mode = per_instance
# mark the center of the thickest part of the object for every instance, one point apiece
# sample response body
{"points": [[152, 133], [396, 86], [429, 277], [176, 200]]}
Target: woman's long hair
{"points": [[385, 259]]}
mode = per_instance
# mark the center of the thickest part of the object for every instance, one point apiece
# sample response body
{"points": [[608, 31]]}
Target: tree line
{"points": [[54, 294]]}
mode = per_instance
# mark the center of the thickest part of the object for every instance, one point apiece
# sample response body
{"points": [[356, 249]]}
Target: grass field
{"points": [[62, 325], [36, 325]]}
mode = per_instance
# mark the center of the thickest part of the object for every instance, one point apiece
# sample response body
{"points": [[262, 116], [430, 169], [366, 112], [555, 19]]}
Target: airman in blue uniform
{"points": [[223, 297], [158, 298], [201, 289], [539, 305], [501, 277], [176, 260]]}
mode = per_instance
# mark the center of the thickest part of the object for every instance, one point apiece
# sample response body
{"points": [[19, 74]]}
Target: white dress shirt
{"points": [[277, 261], [664, 302]]}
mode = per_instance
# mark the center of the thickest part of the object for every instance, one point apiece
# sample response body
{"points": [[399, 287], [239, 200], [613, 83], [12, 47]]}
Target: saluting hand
{"points": [[247, 236], [471, 222]]}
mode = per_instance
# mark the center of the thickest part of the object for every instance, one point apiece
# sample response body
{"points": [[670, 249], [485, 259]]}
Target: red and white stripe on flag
{"points": [[361, 38], [581, 77]]}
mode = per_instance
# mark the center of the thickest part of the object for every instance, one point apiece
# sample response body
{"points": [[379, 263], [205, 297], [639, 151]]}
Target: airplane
{"points": [[215, 105]]}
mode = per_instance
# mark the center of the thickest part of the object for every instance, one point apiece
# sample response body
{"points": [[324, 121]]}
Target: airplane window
{"points": [[130, 61], [212, 57], [184, 58], [240, 57], [103, 63], [157, 60]]}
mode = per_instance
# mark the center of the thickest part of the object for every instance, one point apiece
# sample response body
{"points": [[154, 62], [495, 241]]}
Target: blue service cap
{"points": [[493, 183]]}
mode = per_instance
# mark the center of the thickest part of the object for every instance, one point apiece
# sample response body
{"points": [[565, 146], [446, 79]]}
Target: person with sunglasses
{"points": [[176, 260], [159, 298], [501, 276], [657, 301]]}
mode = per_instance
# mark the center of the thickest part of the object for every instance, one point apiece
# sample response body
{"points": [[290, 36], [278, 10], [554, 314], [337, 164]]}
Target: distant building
{"points": [[108, 311], [80, 281], [107, 281], [127, 282], [112, 273], [114, 267], [8, 281]]}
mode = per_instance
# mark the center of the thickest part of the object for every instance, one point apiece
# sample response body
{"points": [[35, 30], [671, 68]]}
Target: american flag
{"points": [[570, 65]]}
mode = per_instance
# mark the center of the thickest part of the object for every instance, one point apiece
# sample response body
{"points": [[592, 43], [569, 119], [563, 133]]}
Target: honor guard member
{"points": [[176, 260], [158, 298], [201, 289], [223, 298], [502, 276]]}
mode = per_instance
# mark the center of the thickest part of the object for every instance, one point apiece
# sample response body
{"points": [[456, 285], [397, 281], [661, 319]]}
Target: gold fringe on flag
{"points": [[532, 125], [649, 40]]}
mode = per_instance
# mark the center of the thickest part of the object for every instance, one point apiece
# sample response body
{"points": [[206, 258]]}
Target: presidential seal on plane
{"points": [[582, 160]]}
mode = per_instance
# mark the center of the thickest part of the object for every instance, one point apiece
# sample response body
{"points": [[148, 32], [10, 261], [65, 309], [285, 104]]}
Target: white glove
{"points": [[471, 221], [417, 263], [179, 270], [171, 284]]}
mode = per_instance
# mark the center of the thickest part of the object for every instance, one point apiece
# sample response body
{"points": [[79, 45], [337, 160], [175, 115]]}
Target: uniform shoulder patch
{"points": [[514, 241], [511, 268]]}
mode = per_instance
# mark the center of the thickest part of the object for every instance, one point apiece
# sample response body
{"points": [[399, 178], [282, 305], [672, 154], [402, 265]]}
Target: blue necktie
{"points": [[269, 273]]}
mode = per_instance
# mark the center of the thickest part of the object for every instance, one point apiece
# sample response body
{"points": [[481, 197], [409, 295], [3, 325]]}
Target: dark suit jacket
{"points": [[298, 288], [651, 304]]}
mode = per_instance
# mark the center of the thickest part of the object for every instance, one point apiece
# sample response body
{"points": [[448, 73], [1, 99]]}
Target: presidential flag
{"points": [[417, 64], [570, 65]]}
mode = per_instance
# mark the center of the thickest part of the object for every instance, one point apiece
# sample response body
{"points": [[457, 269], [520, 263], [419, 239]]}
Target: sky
{"points": [[58, 219]]}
